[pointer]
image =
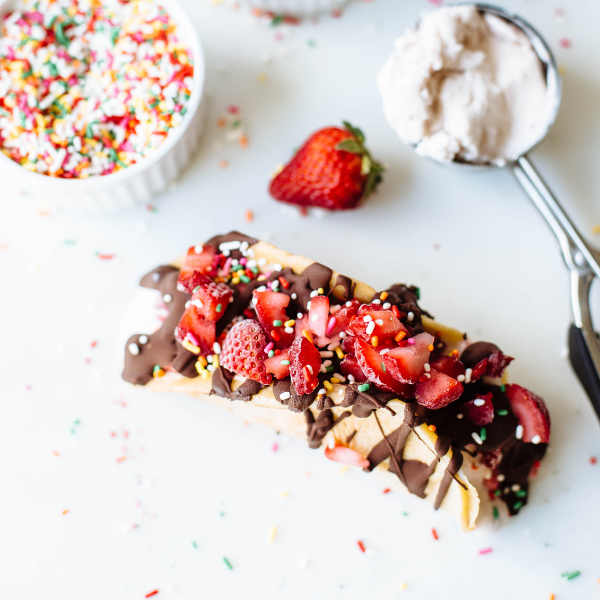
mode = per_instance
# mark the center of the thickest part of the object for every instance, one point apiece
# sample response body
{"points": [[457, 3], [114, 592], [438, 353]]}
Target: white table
{"points": [[196, 485]]}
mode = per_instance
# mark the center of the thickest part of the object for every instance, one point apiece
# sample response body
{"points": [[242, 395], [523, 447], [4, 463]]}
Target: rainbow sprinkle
{"points": [[89, 88]]}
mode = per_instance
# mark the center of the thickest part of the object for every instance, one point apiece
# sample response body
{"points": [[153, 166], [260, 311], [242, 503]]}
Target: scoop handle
{"points": [[583, 365]]}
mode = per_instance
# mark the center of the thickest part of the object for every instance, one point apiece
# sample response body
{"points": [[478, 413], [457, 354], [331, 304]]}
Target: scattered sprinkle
{"points": [[65, 512], [150, 594], [272, 533], [249, 216], [361, 545], [387, 491], [194, 545], [564, 42], [495, 512], [593, 460], [485, 551], [568, 575], [435, 534], [227, 563]]}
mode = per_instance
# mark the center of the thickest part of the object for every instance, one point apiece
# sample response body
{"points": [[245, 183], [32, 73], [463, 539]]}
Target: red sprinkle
{"points": [[395, 311], [283, 282], [485, 551], [387, 491], [361, 546], [593, 460], [233, 109], [435, 534], [94, 344], [564, 42], [106, 256], [150, 594]]}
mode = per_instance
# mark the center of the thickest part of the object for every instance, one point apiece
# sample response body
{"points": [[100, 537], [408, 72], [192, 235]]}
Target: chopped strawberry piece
{"points": [[479, 411], [532, 413], [341, 318], [497, 362], [270, 309], [406, 363], [305, 365], [380, 323], [372, 366], [212, 299], [366, 309], [346, 455], [479, 369], [448, 365], [243, 351], [195, 267], [438, 390], [276, 366], [197, 330], [348, 345], [318, 315], [350, 366]]}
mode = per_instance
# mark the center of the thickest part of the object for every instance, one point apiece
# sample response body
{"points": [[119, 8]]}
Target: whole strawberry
{"points": [[333, 170]]}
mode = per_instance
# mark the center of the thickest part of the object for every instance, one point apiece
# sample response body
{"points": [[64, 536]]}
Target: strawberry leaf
{"points": [[350, 145], [355, 131]]}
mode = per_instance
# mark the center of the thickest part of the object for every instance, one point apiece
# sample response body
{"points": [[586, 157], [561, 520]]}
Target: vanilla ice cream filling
{"points": [[468, 86]]}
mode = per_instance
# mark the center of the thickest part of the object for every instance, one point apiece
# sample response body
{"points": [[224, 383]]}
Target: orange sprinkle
{"points": [[552, 597], [401, 335], [223, 164], [222, 122], [65, 512], [387, 491], [249, 216], [306, 334], [430, 347], [56, 453], [383, 296], [243, 141], [202, 360], [454, 352], [432, 427], [435, 534], [361, 545], [374, 341], [121, 458]]}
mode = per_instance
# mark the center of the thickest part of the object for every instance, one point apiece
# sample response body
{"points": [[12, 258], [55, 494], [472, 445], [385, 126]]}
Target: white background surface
{"points": [[485, 262]]}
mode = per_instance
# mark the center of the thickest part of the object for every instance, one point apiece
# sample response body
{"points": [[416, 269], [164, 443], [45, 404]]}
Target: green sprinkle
{"points": [[183, 111], [495, 512], [27, 74], [155, 368], [503, 412], [222, 513], [311, 43], [194, 545], [405, 514], [521, 494], [277, 20], [114, 34], [227, 563], [76, 422], [517, 505], [483, 434], [154, 103], [23, 119], [497, 493], [418, 293], [502, 388], [330, 369], [570, 575], [271, 353], [277, 323], [53, 70], [61, 38], [245, 278], [236, 123], [195, 289], [254, 270], [70, 242], [363, 387], [285, 362], [219, 307]]}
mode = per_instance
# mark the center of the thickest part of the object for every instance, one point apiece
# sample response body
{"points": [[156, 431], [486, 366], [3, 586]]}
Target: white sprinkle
{"points": [[235, 245], [134, 349], [167, 298], [348, 304], [460, 378], [308, 305], [251, 264], [384, 351], [459, 416], [322, 392], [299, 316], [340, 377], [536, 439], [309, 367], [479, 402], [314, 293], [217, 348], [367, 318], [244, 248], [342, 335], [334, 308], [501, 477], [326, 354], [143, 339], [284, 396], [210, 358], [341, 391], [331, 443], [387, 306], [250, 252], [427, 367], [294, 296], [188, 303], [350, 378], [262, 262], [210, 368], [410, 316], [197, 302], [314, 318], [468, 374], [370, 328], [476, 437], [155, 276], [262, 288], [277, 267], [515, 487], [519, 432], [326, 363], [198, 249], [289, 330], [333, 346], [235, 262], [255, 301], [378, 301], [379, 322]]}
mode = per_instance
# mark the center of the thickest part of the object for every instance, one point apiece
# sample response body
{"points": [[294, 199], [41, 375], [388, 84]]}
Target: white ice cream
{"points": [[466, 86]]}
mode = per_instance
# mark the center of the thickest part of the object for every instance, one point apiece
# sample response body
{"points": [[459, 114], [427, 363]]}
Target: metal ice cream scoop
{"points": [[582, 259]]}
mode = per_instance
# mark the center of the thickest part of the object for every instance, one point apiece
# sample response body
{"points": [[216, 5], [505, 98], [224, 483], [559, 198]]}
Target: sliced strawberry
{"points": [[197, 330], [279, 365], [341, 318], [380, 323], [270, 309], [198, 263], [448, 365], [438, 390], [348, 345], [532, 413], [479, 411], [243, 351], [372, 366], [305, 364], [479, 369], [318, 315], [406, 363], [366, 309], [212, 299], [497, 362], [346, 455], [350, 366]]}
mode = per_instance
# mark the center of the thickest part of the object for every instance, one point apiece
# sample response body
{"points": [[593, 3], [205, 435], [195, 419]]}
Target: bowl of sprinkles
{"points": [[100, 101]]}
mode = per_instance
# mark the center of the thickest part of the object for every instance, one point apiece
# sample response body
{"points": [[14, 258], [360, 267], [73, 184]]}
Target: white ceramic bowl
{"points": [[295, 8], [137, 183]]}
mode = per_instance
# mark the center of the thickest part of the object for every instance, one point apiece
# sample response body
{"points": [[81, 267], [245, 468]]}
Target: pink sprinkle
{"points": [[243, 261], [485, 551], [275, 447], [564, 42], [269, 347], [227, 266], [233, 109], [330, 326], [435, 2], [410, 341], [190, 337]]}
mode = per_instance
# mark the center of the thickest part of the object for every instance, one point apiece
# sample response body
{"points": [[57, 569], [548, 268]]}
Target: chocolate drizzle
{"points": [[347, 284], [221, 386], [317, 430], [291, 399], [364, 403]]}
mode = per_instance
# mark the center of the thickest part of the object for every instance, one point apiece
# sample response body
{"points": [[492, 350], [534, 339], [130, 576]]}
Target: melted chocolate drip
{"points": [[347, 284], [364, 403], [295, 402], [317, 430], [221, 386], [476, 352]]}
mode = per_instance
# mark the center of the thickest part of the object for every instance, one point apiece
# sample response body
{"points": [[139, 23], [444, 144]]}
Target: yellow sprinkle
{"points": [[404, 586], [321, 291], [189, 346], [201, 370], [216, 361], [596, 229], [306, 334], [235, 280], [334, 380], [339, 353], [328, 386], [272, 534], [276, 172], [562, 69], [289, 323], [374, 341], [283, 494], [216, 2], [262, 77], [343, 469]]}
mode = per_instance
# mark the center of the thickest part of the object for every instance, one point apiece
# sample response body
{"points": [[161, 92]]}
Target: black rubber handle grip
{"points": [[582, 364]]}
